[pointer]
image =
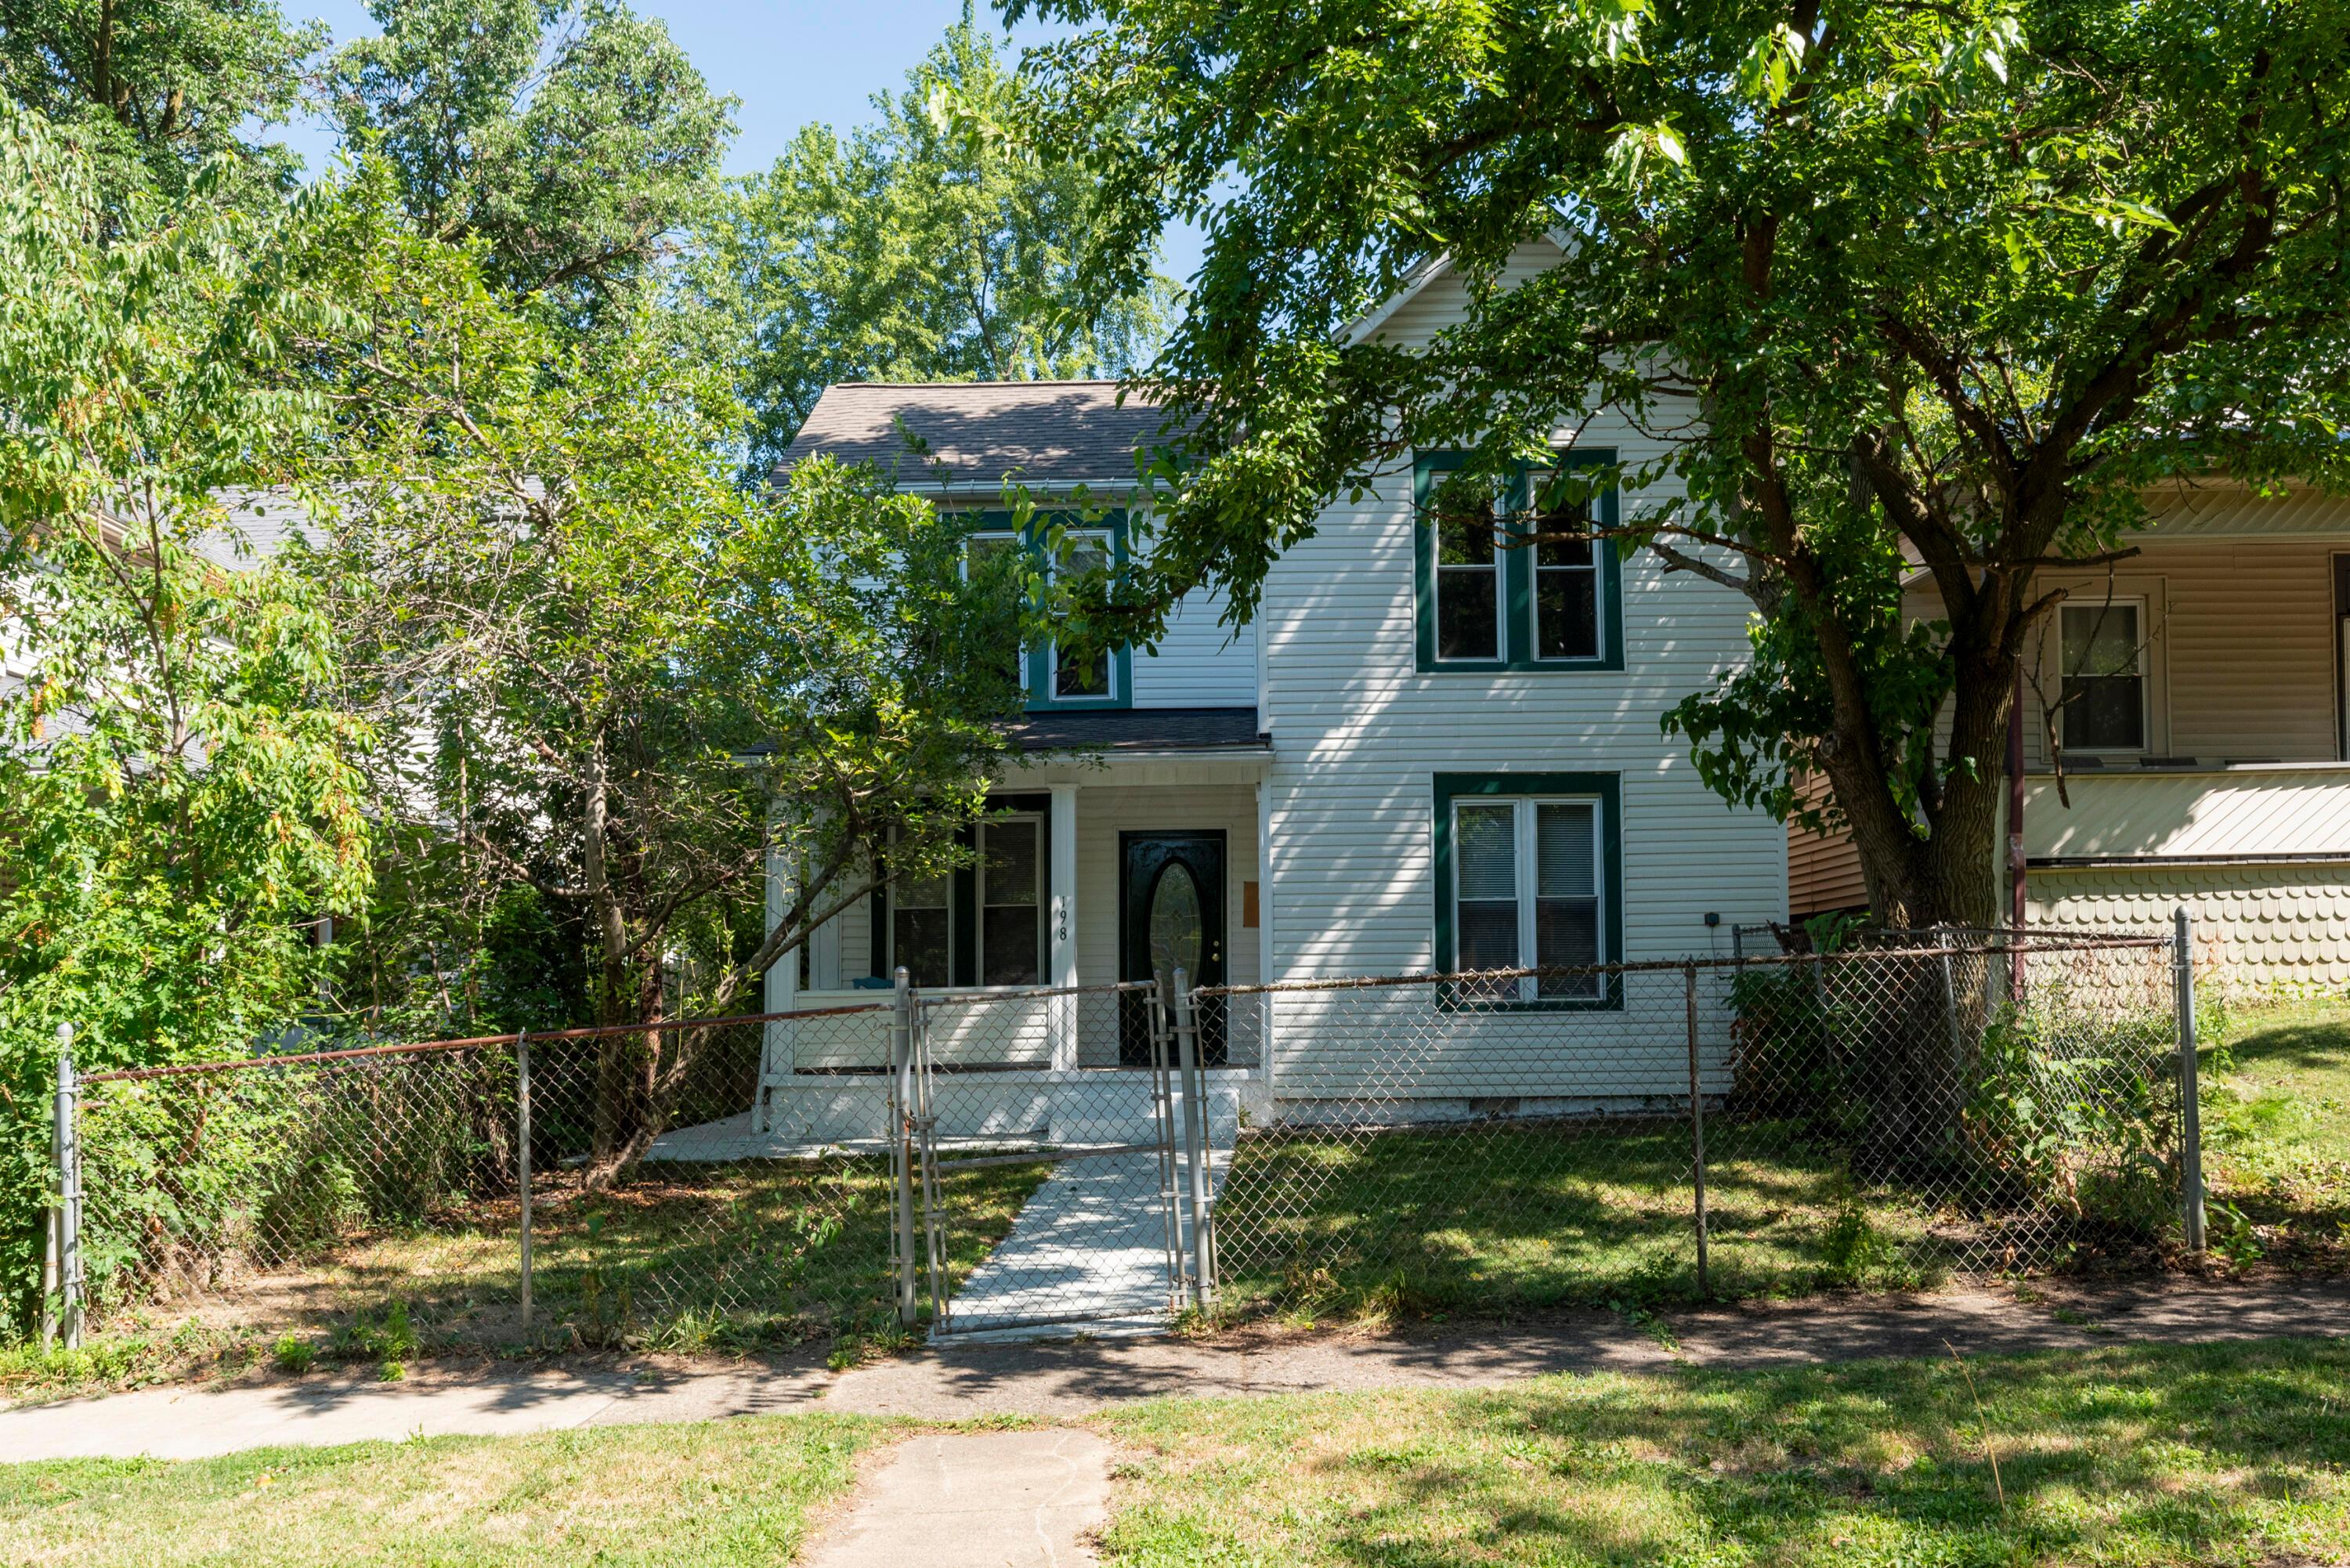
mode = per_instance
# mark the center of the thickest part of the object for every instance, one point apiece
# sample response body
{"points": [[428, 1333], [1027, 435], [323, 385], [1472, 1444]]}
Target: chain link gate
{"points": [[1052, 1159]]}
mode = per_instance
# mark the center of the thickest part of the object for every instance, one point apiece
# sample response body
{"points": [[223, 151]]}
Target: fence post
{"points": [[1195, 1139], [68, 1210], [521, 1155], [901, 1119], [1696, 1124], [2190, 1113]]}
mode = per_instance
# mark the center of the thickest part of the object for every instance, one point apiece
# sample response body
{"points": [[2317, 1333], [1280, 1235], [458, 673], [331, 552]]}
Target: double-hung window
{"points": [[2105, 694], [1531, 884], [1060, 549], [1508, 577], [983, 925]]}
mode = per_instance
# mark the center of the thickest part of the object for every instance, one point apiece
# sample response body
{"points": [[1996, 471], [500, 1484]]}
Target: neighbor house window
{"points": [[1468, 583], [1567, 580], [1011, 901], [2105, 676], [1529, 893]]}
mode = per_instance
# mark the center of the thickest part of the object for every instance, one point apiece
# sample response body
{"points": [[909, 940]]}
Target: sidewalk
{"points": [[1068, 1378]]}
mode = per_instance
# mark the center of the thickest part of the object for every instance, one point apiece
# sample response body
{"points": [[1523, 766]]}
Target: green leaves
{"points": [[1771, 63]]}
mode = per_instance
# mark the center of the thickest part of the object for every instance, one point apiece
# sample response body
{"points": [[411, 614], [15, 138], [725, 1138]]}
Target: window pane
{"points": [[1564, 865], [920, 939], [1468, 614], [2100, 639], [1566, 935], [1009, 853], [1567, 519], [982, 550], [1465, 538], [1486, 850], [2104, 714], [1077, 673], [1489, 935], [1566, 614], [1010, 943]]}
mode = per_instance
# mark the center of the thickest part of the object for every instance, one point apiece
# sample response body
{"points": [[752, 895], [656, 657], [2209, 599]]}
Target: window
{"points": [[1011, 901], [1468, 584], [1495, 593], [1528, 880], [981, 926], [2105, 676], [1567, 581], [1079, 673], [921, 930]]}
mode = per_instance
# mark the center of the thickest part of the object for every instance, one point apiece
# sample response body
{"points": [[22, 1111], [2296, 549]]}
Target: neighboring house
{"points": [[1422, 754], [2200, 719]]}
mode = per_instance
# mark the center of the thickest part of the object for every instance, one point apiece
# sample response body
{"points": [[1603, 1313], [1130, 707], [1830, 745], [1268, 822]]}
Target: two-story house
{"points": [[1427, 751]]}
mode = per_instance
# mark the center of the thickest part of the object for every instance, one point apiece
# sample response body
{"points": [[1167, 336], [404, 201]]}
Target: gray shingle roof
{"points": [[977, 432], [1141, 729]]}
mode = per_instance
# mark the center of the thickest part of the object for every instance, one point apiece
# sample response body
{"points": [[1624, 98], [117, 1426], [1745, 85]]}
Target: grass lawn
{"points": [[713, 1496], [2276, 1116], [2127, 1455], [1500, 1219], [675, 1256]]}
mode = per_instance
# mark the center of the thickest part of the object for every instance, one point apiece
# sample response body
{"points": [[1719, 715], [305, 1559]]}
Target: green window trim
{"points": [[1605, 788], [1036, 664], [1517, 590]]}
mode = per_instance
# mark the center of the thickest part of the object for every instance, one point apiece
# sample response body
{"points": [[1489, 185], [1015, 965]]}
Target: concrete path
{"points": [[1088, 1247], [959, 1382], [977, 1500]]}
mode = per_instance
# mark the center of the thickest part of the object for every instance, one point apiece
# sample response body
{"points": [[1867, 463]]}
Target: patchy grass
{"points": [[1487, 1218], [2139, 1455], [2276, 1120], [681, 1257], [736, 1492]]}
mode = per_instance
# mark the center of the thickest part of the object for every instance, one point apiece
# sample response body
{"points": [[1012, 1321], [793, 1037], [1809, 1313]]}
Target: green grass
{"points": [[1500, 1219], [2124, 1455], [737, 1492], [737, 1256], [2276, 1114], [2128, 1455]]}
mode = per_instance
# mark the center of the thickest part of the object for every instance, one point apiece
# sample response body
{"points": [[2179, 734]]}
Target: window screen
{"points": [[1011, 930], [921, 930], [1566, 895], [1566, 586], [1078, 671], [1485, 865], [2104, 679]]}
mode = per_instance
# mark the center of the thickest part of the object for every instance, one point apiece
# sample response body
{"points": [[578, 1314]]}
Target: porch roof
{"points": [[1141, 730]]}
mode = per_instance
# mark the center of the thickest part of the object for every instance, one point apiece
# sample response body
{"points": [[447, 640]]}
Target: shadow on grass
{"points": [[2130, 1454]]}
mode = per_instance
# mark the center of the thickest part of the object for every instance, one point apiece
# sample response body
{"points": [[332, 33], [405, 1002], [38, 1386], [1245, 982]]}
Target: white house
{"points": [[1424, 753]]}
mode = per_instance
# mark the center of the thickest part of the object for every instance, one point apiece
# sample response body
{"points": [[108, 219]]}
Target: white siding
{"points": [[2256, 926], [1198, 663], [1359, 737]]}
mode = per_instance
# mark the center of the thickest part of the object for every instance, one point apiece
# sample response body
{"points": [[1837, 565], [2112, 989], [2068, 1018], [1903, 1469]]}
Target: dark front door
{"points": [[1171, 915]]}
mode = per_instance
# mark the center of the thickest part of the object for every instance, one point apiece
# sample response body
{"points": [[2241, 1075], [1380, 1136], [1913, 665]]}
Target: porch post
{"points": [[1063, 922], [782, 983]]}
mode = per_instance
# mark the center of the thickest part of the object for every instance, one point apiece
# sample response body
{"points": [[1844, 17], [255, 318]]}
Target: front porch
{"points": [[1139, 851]]}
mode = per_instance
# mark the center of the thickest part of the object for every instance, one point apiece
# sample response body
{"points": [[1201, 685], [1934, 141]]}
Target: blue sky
{"points": [[789, 64]]}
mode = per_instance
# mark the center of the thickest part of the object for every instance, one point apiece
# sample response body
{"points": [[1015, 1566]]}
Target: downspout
{"points": [[2015, 804]]}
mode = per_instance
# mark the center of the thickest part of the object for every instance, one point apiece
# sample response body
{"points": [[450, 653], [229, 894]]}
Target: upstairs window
{"points": [[1498, 590], [1469, 592], [1077, 673], [2105, 676]]}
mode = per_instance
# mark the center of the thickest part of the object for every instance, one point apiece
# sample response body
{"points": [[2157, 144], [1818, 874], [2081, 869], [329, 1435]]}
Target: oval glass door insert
{"points": [[1176, 930]]}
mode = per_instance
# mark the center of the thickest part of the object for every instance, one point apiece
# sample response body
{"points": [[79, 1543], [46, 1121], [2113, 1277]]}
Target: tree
{"points": [[159, 88], [1900, 289], [619, 679], [575, 142], [912, 251], [179, 799]]}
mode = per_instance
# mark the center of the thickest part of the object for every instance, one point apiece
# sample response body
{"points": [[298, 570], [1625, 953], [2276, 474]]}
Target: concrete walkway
{"points": [[1003, 1499], [1088, 1247], [958, 1382]]}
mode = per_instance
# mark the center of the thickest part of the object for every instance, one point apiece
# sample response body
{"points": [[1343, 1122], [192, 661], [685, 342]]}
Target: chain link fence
{"points": [[1921, 1105]]}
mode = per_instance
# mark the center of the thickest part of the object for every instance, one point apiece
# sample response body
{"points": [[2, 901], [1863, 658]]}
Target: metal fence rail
{"points": [[1923, 1105]]}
